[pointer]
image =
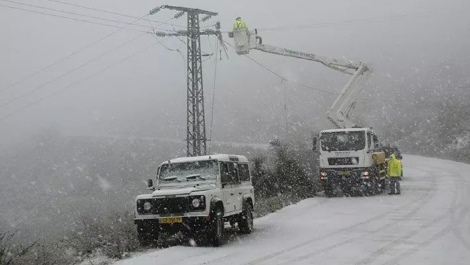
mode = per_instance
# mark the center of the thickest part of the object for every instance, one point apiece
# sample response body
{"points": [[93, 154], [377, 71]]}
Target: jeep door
{"points": [[246, 187], [230, 183]]}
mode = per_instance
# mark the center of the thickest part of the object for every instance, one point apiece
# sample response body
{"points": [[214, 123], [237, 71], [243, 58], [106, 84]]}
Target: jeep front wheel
{"points": [[217, 227], [245, 223], [147, 234]]}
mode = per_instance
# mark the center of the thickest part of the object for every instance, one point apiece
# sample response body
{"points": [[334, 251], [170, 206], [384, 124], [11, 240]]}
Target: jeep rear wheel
{"points": [[217, 228], [245, 223]]}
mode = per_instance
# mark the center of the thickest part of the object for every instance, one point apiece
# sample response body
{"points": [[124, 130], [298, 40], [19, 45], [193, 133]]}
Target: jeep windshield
{"points": [[189, 171], [343, 141]]}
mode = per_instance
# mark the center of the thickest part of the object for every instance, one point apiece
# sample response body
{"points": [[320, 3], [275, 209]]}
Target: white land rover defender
{"points": [[197, 195]]}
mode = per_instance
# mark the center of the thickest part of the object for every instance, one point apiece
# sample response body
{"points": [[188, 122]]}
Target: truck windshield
{"points": [[197, 170], [343, 141]]}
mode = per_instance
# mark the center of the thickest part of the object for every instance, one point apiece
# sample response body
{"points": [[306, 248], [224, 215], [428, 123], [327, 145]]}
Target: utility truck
{"points": [[349, 156]]}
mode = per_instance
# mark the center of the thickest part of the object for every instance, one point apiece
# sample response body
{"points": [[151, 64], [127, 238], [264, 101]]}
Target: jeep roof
{"points": [[347, 130], [219, 157]]}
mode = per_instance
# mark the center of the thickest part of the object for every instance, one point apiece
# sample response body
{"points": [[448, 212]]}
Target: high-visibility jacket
{"points": [[394, 167], [239, 24]]}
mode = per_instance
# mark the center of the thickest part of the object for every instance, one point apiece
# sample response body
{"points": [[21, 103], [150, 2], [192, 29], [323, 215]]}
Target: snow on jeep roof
{"points": [[220, 157], [347, 129]]}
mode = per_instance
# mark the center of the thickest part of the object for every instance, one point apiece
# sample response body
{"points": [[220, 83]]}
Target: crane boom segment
{"points": [[339, 112]]}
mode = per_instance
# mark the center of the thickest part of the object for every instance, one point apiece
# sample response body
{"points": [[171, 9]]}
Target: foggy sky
{"points": [[146, 95]]}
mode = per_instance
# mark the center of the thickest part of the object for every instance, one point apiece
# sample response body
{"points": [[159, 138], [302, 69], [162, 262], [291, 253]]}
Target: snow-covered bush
{"points": [[11, 252], [283, 171], [114, 235]]}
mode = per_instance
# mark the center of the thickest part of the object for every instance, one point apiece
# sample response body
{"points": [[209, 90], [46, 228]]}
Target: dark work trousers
{"points": [[394, 185]]}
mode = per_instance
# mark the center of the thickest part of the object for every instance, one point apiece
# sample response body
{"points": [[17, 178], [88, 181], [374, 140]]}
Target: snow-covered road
{"points": [[428, 224]]}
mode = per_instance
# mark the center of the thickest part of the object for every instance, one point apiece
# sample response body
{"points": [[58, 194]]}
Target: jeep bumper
{"points": [[190, 224]]}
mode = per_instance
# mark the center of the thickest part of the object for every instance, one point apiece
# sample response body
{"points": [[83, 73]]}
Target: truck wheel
{"points": [[328, 191], [245, 223], [217, 228]]}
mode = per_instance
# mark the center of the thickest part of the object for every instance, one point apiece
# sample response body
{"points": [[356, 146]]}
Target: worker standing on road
{"points": [[239, 24], [394, 172]]}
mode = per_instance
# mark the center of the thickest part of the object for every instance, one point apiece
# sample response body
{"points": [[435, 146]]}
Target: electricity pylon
{"points": [[196, 123]]}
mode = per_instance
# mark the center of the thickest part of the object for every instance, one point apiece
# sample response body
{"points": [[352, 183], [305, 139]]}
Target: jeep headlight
{"points": [[147, 206], [196, 203]]}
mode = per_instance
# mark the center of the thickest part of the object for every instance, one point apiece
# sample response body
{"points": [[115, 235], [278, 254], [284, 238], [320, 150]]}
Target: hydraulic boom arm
{"points": [[341, 109]]}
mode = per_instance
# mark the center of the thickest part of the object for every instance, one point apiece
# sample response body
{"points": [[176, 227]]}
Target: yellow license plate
{"points": [[171, 220], [344, 173]]}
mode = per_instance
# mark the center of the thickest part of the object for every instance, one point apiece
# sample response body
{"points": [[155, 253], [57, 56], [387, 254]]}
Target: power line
{"points": [[266, 68], [68, 56], [169, 49], [69, 72], [161, 43], [71, 18], [280, 76], [285, 79], [184, 42], [345, 22], [73, 13], [109, 12], [327, 24], [77, 82]]}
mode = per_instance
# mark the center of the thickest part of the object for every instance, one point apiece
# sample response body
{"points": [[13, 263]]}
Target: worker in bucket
{"points": [[239, 24], [394, 172]]}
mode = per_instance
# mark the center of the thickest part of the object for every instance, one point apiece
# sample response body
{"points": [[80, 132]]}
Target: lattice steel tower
{"points": [[196, 124]]}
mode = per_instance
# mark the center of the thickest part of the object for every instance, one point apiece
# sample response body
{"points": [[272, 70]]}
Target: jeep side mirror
{"points": [[150, 184], [314, 143]]}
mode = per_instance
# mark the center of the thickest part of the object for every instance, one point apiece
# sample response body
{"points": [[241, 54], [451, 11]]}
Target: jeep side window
{"points": [[244, 172], [229, 173], [369, 138], [224, 173], [233, 167]]}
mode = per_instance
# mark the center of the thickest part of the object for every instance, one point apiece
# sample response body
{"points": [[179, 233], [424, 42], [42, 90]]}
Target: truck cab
{"points": [[196, 196], [348, 160]]}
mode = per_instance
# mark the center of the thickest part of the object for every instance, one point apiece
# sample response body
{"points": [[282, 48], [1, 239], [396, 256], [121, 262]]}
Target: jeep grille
{"points": [[165, 206]]}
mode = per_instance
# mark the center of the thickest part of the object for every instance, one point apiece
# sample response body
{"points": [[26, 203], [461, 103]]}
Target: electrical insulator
{"points": [[154, 11], [204, 19], [179, 14], [161, 34]]}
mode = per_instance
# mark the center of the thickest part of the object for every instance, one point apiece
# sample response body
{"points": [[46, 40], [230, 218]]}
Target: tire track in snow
{"points": [[456, 229], [430, 240], [421, 202], [319, 202], [379, 252], [180, 259], [432, 188]]}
